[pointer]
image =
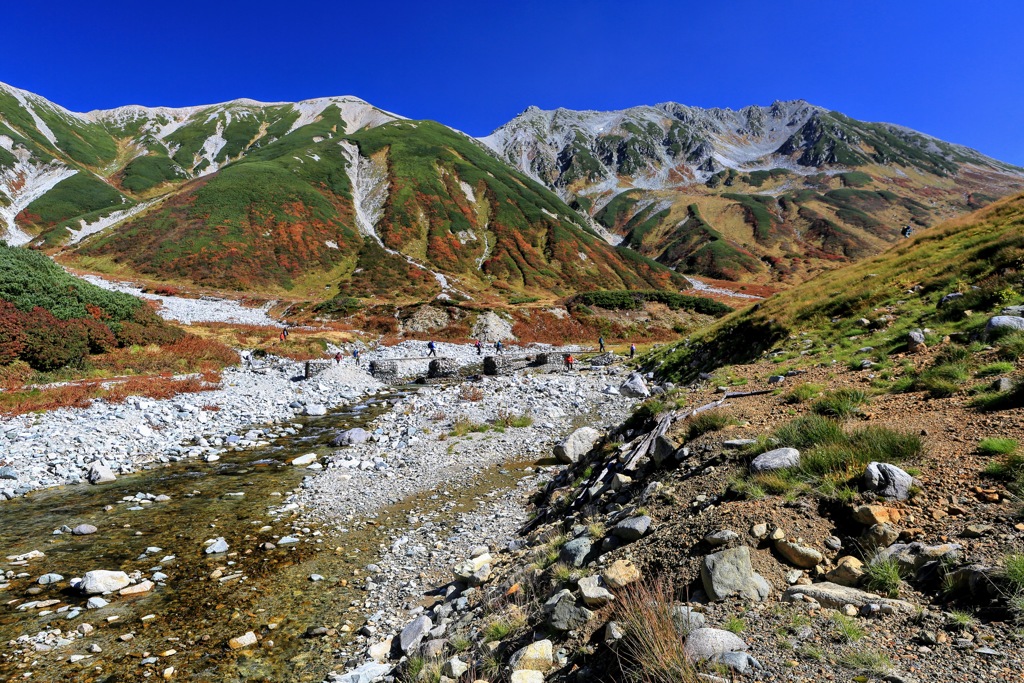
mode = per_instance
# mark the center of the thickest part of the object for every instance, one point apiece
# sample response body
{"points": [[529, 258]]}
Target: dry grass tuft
{"points": [[652, 649]]}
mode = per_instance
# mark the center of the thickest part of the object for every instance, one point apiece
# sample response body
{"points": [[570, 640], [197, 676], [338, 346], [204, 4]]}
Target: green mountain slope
{"points": [[316, 199], [783, 191], [874, 304]]}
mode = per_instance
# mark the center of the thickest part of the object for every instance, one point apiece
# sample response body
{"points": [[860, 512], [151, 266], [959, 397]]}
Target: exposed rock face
{"points": [[798, 555], [563, 614], [534, 657], [632, 529], [847, 572], [887, 480], [413, 633], [1000, 323], [491, 327], [103, 581], [778, 459], [577, 444], [728, 572], [835, 596], [620, 574], [100, 474], [426, 319], [350, 437], [635, 387], [710, 643]]}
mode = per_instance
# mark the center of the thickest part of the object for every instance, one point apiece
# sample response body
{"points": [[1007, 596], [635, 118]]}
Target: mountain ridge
{"points": [[305, 196]]}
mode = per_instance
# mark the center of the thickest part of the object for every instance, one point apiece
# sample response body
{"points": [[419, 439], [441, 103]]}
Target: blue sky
{"points": [[951, 69]]}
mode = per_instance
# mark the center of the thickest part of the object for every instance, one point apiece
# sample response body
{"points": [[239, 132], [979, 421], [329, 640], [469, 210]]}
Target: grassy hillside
{"points": [[875, 303], [282, 219]]}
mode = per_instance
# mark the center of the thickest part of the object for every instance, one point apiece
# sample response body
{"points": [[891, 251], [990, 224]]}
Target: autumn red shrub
{"points": [[12, 336], [99, 336], [51, 343], [196, 349]]}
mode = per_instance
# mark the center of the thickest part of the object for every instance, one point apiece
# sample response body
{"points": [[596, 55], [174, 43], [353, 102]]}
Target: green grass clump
{"points": [[943, 380], [734, 624], [960, 621], [994, 369], [709, 421], [802, 392], [997, 446], [883, 576], [830, 458], [841, 403], [846, 628], [1011, 346], [463, 426], [503, 626], [868, 661]]}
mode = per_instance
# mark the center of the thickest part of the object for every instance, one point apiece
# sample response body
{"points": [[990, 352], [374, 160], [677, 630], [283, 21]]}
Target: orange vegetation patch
{"points": [[82, 394]]}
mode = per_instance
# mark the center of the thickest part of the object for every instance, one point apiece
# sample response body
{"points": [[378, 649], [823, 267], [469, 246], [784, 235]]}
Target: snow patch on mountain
{"points": [[211, 148], [23, 99], [101, 224], [356, 113], [23, 183]]}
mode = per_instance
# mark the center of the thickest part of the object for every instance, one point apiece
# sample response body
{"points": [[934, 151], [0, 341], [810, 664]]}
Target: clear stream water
{"points": [[195, 615]]}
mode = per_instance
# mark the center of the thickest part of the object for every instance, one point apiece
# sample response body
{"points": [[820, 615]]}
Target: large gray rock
{"points": [[315, 410], [100, 474], [414, 632], [594, 594], [778, 459], [632, 529], [635, 387], [711, 643], [949, 297], [835, 596], [103, 581], [577, 444], [367, 673], [728, 572], [8, 472], [350, 437], [84, 530], [887, 480], [563, 614], [1013, 310], [879, 536], [798, 555], [534, 657], [740, 662], [1002, 323], [686, 619], [913, 556], [574, 553]]}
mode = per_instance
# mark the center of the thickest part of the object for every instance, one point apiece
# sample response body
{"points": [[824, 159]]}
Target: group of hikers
{"points": [[570, 360]]}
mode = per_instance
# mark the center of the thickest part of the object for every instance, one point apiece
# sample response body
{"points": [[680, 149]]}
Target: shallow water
{"points": [[194, 614]]}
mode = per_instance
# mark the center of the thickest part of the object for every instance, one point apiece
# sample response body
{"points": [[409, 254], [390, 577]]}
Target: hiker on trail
{"points": [[600, 342], [479, 347], [283, 335], [569, 361], [906, 231], [497, 346], [285, 332], [337, 358], [632, 350], [355, 355], [433, 348]]}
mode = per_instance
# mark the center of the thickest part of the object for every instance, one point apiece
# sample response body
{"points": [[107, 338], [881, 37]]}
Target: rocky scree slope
{"points": [[644, 558], [321, 198], [762, 193]]}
